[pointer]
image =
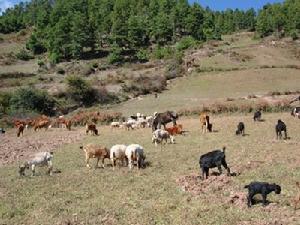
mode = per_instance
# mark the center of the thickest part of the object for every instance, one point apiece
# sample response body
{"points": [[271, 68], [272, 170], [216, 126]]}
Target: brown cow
{"points": [[41, 123], [92, 128], [94, 151], [204, 121], [20, 129], [177, 129]]}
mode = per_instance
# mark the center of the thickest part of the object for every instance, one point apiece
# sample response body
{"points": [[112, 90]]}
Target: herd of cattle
{"points": [[133, 154]]}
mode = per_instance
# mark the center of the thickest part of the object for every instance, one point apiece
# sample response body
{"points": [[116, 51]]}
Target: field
{"points": [[153, 195], [169, 189]]}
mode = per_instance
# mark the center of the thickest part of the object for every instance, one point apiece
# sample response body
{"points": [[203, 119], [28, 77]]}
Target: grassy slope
{"points": [[152, 195]]}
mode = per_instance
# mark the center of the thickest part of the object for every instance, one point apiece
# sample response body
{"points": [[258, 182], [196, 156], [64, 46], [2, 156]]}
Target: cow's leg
{"points": [[87, 158], [226, 167], [285, 134], [50, 167], [103, 165], [32, 169]]}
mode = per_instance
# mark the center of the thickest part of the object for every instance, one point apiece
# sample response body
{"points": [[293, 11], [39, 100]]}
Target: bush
{"points": [[142, 55], [174, 68], [31, 99], [115, 56], [34, 45], [145, 85], [81, 91], [4, 102], [185, 43], [163, 53], [294, 35], [24, 55]]}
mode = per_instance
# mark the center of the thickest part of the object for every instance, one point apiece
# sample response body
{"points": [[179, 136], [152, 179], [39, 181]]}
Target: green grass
{"points": [[151, 196]]}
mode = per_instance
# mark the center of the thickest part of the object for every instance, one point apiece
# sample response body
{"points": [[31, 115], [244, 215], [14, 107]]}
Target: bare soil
{"points": [[14, 149]]}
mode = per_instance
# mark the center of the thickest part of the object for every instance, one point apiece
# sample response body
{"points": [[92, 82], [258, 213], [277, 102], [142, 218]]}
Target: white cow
{"points": [[117, 152], [135, 153], [39, 159], [160, 135]]}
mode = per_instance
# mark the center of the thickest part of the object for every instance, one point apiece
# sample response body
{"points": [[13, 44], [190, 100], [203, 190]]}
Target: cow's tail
{"points": [[224, 148], [207, 121]]}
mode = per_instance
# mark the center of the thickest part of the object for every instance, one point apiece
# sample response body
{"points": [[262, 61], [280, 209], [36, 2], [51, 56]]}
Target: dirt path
{"points": [[13, 149]]}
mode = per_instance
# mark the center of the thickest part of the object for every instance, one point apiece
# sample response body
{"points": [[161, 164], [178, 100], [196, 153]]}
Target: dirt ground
{"points": [[14, 149]]}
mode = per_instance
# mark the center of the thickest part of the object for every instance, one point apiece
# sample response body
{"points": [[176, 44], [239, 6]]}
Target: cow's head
{"points": [[174, 115], [22, 168]]}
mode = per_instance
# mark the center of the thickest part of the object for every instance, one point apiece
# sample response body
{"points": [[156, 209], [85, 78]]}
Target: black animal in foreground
{"points": [[279, 128], [213, 159], [163, 119], [262, 188], [240, 129], [257, 115]]}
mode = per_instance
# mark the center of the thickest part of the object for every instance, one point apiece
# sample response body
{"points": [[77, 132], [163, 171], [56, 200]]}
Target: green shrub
{"points": [[294, 35], [163, 53], [35, 45], [142, 55], [55, 58], [115, 56], [185, 43], [41, 63], [24, 55], [81, 91], [4, 102], [31, 99]]}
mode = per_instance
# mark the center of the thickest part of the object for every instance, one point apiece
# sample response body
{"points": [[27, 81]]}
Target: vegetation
{"points": [[120, 24], [31, 99]]}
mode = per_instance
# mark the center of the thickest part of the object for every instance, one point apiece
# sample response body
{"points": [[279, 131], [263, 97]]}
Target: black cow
{"points": [[257, 115], [163, 119], [279, 128], [240, 129], [213, 159], [262, 188]]}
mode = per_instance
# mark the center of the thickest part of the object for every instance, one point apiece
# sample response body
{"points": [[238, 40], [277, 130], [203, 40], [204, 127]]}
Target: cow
{"points": [[39, 159], [204, 121], [296, 112], [117, 152], [262, 188], [213, 159], [135, 153], [20, 129], [95, 151], [279, 128], [163, 119], [91, 128]]}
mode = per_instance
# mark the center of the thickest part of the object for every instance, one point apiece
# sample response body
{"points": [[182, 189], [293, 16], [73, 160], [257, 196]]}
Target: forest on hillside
{"points": [[71, 29]]}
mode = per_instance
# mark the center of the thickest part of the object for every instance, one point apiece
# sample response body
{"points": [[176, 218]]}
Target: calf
{"points": [[279, 128], [135, 153], [94, 151], [257, 115], [204, 121], [160, 135], [117, 152], [115, 124], [240, 129], [39, 159], [262, 188], [91, 128], [177, 129], [213, 159], [296, 112], [20, 129]]}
